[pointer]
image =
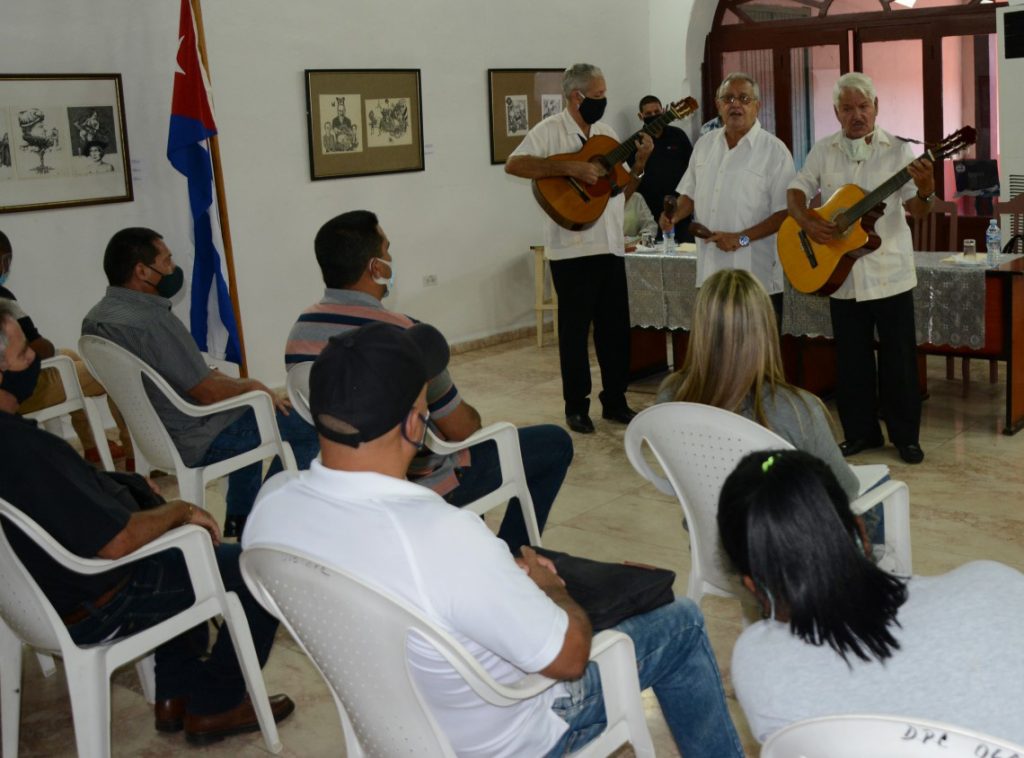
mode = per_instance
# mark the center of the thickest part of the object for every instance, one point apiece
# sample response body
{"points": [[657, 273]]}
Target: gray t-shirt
{"points": [[144, 326], [959, 661], [799, 418]]}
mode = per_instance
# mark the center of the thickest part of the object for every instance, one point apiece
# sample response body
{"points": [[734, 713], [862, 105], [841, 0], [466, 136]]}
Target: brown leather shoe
{"points": [[170, 714], [202, 730]]}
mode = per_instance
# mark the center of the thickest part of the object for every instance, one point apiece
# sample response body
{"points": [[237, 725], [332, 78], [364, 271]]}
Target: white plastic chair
{"points": [[30, 618], [859, 735], [75, 400], [121, 373], [356, 636], [698, 446], [504, 434]]}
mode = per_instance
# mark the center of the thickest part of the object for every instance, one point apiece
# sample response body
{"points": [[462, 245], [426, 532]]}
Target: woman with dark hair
{"points": [[842, 636]]}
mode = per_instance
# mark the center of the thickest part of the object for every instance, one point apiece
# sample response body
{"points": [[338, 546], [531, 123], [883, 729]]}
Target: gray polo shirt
{"points": [[144, 325]]}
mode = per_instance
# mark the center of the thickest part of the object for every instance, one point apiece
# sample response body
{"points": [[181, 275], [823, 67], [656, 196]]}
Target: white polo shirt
{"points": [[561, 134], [889, 270], [443, 560], [732, 190]]}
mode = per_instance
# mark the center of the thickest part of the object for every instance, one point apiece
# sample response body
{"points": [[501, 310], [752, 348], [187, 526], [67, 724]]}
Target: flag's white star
{"points": [[177, 66]]}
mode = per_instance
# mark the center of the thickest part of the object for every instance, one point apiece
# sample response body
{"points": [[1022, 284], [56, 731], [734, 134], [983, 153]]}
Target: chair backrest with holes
{"points": [[121, 373], [698, 446], [356, 636]]}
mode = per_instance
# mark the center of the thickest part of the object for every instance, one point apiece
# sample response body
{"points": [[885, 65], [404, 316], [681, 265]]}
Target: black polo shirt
{"points": [[82, 508], [665, 167]]}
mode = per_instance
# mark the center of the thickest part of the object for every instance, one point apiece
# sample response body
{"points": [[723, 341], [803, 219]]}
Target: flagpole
{"points": [[222, 201]]}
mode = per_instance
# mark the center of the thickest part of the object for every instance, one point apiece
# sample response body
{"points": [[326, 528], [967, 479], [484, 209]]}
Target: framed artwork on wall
{"points": [[63, 141], [363, 121], [520, 98]]}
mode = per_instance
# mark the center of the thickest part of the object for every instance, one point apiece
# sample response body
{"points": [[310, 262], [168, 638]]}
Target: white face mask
{"points": [[389, 283], [857, 149]]}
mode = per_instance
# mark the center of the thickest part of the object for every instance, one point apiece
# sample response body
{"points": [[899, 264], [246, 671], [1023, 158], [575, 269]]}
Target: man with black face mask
{"points": [[99, 514], [45, 388], [666, 166], [136, 314], [587, 265]]}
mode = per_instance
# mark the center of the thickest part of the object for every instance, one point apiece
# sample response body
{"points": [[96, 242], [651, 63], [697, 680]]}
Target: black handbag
{"points": [[612, 592]]}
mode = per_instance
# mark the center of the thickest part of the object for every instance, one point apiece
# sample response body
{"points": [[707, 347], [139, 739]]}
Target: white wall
{"points": [[462, 219]]}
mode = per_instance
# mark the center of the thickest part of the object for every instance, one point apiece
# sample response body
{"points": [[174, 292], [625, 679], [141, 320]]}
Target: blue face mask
{"points": [[3, 277], [389, 283]]}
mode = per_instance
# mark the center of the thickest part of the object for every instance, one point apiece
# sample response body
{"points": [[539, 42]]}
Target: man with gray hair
{"points": [[586, 265], [878, 293], [735, 186]]}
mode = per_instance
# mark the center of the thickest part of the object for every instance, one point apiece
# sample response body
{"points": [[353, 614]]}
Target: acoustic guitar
{"points": [[574, 205], [821, 268]]}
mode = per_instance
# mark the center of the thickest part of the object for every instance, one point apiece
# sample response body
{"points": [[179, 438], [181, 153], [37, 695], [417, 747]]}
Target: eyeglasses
{"points": [[743, 99]]}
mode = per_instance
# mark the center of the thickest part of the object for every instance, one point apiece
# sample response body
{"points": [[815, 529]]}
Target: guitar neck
{"points": [[881, 192], [625, 151]]}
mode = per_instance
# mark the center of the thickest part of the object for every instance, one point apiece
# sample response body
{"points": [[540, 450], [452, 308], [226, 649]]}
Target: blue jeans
{"points": [[547, 453], [244, 484], [158, 588], [674, 657]]}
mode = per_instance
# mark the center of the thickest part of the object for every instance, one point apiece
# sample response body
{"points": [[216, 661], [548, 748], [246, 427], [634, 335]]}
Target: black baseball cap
{"points": [[364, 383]]}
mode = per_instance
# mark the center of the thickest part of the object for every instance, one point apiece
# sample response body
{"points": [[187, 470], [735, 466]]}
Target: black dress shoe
{"points": [[622, 415], [852, 447], [911, 453], [579, 422], [234, 526], [202, 730]]}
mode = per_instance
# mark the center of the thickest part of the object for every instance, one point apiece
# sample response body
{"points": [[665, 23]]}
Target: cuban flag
{"points": [[211, 315]]}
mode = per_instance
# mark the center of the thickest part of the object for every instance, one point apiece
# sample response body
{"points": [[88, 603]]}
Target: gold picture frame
{"points": [[520, 98], [363, 121]]}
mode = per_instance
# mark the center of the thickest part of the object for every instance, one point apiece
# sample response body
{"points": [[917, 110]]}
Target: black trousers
{"points": [[893, 390], [592, 289]]}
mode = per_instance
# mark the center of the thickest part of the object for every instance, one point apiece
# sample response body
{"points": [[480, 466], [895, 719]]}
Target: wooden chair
{"points": [[1015, 210], [541, 301], [925, 230]]}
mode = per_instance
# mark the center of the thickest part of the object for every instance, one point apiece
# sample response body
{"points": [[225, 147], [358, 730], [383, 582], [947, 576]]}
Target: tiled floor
{"points": [[964, 505]]}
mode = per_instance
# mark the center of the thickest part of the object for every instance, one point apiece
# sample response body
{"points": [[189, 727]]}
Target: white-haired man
{"points": [[735, 187], [587, 267], [878, 293]]}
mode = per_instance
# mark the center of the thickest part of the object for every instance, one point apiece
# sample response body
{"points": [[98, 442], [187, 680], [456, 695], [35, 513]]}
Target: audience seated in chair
{"points": [[49, 389], [96, 514], [733, 361], [136, 314], [355, 259], [842, 636], [355, 511]]}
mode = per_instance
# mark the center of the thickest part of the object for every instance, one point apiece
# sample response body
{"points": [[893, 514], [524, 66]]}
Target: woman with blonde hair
{"points": [[733, 361]]}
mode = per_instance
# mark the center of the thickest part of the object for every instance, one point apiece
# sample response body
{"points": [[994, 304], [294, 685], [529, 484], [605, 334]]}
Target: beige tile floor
{"points": [[964, 505]]}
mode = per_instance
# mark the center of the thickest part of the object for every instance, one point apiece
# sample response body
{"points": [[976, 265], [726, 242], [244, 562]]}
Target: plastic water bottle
{"points": [[993, 243], [668, 240]]}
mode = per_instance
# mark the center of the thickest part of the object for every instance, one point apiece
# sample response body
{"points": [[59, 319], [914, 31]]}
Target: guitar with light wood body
{"points": [[821, 268], [574, 205]]}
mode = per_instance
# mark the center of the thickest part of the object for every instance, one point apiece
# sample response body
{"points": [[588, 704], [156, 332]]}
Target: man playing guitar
{"points": [[878, 293], [586, 264]]}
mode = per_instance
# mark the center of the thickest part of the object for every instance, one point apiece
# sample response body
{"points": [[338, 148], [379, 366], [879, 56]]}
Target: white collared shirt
{"points": [[443, 560], [733, 190], [889, 270], [560, 134]]}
